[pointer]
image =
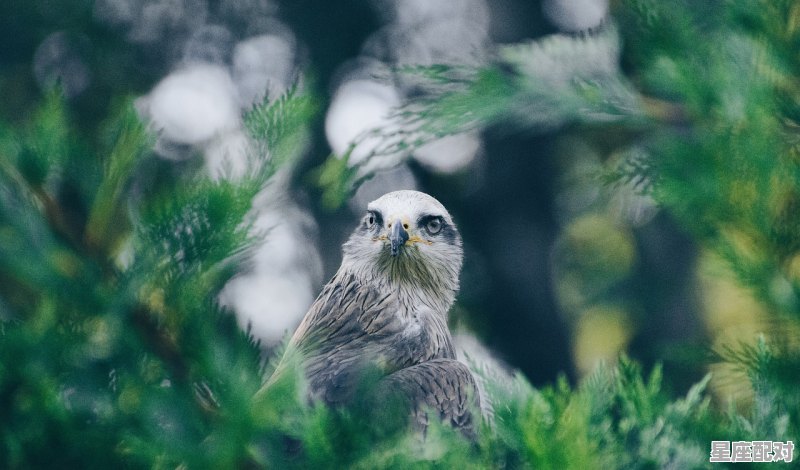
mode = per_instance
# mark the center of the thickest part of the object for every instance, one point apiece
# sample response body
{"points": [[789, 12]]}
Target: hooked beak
{"points": [[397, 236]]}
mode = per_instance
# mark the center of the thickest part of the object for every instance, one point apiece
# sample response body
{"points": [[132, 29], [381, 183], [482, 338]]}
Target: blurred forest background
{"points": [[554, 279], [594, 154]]}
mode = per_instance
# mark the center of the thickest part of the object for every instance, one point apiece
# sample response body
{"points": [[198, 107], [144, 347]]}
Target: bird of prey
{"points": [[386, 309]]}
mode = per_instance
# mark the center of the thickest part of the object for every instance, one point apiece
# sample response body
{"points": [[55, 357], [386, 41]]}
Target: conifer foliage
{"points": [[115, 353]]}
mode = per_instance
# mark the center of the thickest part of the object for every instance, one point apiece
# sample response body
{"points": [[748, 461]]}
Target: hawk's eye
{"points": [[370, 219], [433, 225]]}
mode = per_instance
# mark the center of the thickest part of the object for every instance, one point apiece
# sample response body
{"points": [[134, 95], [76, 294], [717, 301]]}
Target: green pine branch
{"points": [[115, 352]]}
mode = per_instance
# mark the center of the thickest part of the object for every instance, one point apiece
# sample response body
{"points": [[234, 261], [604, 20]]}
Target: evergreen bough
{"points": [[115, 351]]}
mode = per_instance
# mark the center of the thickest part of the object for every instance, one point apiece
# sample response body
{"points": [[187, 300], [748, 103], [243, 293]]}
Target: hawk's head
{"points": [[407, 237]]}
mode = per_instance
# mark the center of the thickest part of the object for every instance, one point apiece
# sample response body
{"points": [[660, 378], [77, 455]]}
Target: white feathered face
{"points": [[411, 238]]}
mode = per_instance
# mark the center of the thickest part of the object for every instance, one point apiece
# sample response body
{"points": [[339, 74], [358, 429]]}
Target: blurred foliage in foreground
{"points": [[115, 352]]}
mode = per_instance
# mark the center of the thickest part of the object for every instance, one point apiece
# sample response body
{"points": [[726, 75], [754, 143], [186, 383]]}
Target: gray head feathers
{"points": [[428, 258]]}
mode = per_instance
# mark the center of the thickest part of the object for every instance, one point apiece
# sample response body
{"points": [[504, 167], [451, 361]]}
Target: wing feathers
{"points": [[352, 328], [443, 386]]}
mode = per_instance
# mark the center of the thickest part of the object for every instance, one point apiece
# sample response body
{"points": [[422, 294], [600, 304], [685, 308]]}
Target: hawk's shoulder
{"points": [[345, 311]]}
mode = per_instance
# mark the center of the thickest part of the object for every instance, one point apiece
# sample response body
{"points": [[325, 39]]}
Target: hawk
{"points": [[386, 309]]}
